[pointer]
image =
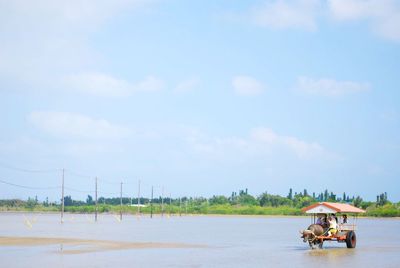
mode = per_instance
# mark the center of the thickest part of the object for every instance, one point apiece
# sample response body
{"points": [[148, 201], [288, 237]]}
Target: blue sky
{"points": [[201, 98]]}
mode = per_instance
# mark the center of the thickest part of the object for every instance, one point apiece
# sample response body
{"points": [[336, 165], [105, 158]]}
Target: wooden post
{"points": [[138, 200], [180, 206], [170, 204], [151, 203], [96, 209], [162, 202], [120, 211], [62, 197]]}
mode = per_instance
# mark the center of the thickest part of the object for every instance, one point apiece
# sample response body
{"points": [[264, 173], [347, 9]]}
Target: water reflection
{"points": [[331, 253], [230, 241]]}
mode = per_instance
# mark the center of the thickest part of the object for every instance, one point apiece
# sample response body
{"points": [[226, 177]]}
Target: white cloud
{"points": [[383, 15], [44, 40], [105, 85], [329, 87], [187, 85], [259, 141], [150, 83], [81, 14], [301, 148], [246, 85], [75, 126], [284, 14]]}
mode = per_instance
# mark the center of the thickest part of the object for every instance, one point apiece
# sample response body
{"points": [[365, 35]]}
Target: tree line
{"points": [[241, 198], [239, 201]]}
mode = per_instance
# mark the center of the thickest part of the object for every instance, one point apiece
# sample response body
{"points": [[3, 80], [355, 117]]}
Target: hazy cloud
{"points": [[259, 141], [246, 85], [71, 125], [329, 87], [44, 40], [301, 148], [382, 15], [81, 14], [187, 85], [283, 14], [106, 85]]}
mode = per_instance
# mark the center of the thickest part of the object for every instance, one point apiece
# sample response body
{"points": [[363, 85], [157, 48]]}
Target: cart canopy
{"points": [[329, 207]]}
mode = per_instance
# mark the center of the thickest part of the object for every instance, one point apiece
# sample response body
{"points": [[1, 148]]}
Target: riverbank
{"points": [[384, 211]]}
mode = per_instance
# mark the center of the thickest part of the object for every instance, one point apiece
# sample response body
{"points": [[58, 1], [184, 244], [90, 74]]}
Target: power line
{"points": [[78, 174], [79, 191], [86, 176], [28, 187], [68, 171], [110, 182], [28, 170], [89, 191], [101, 192]]}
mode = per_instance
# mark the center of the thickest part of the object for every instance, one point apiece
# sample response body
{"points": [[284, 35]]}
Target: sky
{"points": [[200, 98]]}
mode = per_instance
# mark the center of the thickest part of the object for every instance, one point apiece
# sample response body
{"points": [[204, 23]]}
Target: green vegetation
{"points": [[241, 203]]}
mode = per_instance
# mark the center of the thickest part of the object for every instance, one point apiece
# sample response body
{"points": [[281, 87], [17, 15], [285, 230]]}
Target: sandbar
{"points": [[77, 246]]}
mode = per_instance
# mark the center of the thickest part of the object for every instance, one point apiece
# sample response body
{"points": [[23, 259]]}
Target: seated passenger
{"points": [[344, 220], [319, 220], [332, 226], [325, 222]]}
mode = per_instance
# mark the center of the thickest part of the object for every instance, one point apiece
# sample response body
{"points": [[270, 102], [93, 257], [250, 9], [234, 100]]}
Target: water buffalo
{"points": [[310, 235]]}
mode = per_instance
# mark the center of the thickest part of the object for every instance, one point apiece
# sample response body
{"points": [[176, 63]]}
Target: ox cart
{"points": [[323, 217]]}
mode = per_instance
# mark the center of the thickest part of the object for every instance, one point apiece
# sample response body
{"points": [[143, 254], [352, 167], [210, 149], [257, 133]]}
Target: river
{"points": [[187, 241]]}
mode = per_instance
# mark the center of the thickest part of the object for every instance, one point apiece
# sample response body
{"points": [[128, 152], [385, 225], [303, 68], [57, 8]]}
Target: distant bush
{"points": [[388, 210]]}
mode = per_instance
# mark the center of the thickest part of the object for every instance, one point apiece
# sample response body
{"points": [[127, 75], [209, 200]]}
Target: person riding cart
{"points": [[328, 229]]}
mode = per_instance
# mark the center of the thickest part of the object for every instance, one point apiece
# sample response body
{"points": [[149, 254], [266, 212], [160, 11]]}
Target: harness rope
{"points": [[315, 237]]}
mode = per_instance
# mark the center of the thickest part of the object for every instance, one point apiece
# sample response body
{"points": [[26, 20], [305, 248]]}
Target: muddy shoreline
{"points": [[77, 246]]}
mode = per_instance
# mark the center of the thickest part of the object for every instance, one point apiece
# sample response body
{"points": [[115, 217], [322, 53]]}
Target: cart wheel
{"points": [[351, 239]]}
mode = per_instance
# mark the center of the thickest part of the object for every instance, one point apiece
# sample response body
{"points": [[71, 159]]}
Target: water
{"points": [[226, 242]]}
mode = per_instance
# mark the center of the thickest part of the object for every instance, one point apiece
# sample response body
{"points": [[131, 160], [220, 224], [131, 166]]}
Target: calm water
{"points": [[230, 241]]}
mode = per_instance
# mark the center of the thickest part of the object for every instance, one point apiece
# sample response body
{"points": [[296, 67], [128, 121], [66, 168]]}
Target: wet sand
{"points": [[174, 242], [77, 246]]}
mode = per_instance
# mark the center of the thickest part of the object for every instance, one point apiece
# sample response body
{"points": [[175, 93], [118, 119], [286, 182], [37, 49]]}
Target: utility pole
{"points": [[62, 197], [138, 200], [180, 206], [96, 210], [120, 210], [186, 207], [162, 202], [170, 205], [151, 203]]}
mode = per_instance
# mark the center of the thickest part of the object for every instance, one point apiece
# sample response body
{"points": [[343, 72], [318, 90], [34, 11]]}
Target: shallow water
{"points": [[224, 242]]}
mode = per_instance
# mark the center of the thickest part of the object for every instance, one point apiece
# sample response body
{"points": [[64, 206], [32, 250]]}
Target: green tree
{"points": [[218, 200], [290, 195], [381, 199], [357, 201], [305, 193], [89, 200], [31, 203], [68, 200], [303, 201], [246, 199], [268, 200], [326, 195]]}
